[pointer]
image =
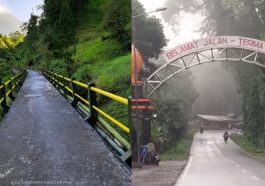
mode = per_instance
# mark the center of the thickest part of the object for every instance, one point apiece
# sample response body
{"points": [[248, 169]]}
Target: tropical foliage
{"points": [[77, 38]]}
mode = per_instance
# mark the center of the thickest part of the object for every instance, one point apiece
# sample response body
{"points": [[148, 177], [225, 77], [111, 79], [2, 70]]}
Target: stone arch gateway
{"points": [[212, 49]]}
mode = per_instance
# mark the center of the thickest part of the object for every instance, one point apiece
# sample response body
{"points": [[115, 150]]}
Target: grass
{"points": [[94, 42], [99, 59], [112, 76], [95, 50], [115, 75], [182, 149], [180, 152], [247, 146]]}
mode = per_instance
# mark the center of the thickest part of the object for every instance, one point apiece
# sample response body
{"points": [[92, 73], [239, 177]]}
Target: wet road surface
{"points": [[216, 163], [44, 140]]}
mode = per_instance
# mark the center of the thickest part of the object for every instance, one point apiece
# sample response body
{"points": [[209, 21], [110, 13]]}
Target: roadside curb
{"points": [[180, 177], [245, 152]]}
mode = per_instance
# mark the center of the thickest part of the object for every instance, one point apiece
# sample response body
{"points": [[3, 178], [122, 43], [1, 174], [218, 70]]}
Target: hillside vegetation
{"points": [[7, 45], [80, 42], [87, 40]]}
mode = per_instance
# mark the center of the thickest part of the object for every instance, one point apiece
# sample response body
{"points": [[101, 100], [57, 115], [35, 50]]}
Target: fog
{"points": [[213, 86], [181, 101], [216, 88]]}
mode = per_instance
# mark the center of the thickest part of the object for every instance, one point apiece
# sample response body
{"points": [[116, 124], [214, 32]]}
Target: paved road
{"points": [[43, 139], [165, 174], [215, 163]]}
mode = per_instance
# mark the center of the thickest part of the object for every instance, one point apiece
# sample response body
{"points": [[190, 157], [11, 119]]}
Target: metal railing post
{"points": [[130, 123], [19, 82], [53, 82], [21, 79], [64, 87], [3, 93], [59, 84], [92, 98], [74, 89], [56, 82], [24, 76], [10, 85]]}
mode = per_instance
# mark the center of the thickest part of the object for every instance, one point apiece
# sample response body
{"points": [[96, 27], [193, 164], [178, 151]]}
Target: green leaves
{"points": [[171, 123], [117, 20], [12, 41], [58, 66], [148, 35]]}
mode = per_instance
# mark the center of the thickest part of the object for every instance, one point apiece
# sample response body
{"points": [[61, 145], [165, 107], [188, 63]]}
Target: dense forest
{"points": [[85, 39]]}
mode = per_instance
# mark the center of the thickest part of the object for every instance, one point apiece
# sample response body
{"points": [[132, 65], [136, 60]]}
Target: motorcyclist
{"points": [[201, 129], [225, 136]]}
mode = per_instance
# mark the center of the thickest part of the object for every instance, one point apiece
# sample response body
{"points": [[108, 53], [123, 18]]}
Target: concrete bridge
{"points": [[44, 140]]}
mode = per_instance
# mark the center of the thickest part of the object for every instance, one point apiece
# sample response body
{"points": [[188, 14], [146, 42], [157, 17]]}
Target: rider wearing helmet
{"points": [[225, 136]]}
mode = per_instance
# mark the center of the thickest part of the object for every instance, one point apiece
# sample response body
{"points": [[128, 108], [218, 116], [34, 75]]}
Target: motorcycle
{"points": [[201, 130], [225, 136], [148, 158]]}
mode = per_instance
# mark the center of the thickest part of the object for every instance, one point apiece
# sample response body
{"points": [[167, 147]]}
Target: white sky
{"points": [[21, 9], [188, 26]]}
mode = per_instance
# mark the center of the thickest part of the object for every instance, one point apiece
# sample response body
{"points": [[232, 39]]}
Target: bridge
{"points": [[211, 161], [47, 140]]}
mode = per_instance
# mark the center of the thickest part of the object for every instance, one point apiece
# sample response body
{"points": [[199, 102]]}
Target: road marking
{"points": [[218, 151], [185, 171], [255, 178], [210, 142], [243, 170]]}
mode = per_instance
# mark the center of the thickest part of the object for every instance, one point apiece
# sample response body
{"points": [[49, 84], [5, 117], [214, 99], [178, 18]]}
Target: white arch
{"points": [[220, 48]]}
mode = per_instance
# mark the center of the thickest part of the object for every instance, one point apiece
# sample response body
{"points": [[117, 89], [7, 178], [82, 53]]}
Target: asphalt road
{"points": [[44, 141], [216, 163]]}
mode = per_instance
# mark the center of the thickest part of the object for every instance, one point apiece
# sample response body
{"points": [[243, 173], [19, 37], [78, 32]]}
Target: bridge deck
{"points": [[43, 138]]}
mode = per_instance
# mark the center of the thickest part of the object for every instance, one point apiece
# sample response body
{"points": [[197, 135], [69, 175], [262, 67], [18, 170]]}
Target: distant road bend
{"points": [[215, 163], [44, 140]]}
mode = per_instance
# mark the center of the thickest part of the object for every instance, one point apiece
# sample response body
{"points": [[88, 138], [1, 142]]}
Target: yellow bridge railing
{"points": [[84, 98], [8, 88]]}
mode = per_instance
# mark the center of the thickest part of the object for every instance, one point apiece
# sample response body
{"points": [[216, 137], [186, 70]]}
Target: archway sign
{"points": [[212, 49]]}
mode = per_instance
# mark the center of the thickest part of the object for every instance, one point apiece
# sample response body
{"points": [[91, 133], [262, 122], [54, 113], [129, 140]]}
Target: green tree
{"points": [[2, 43], [58, 30], [117, 20], [29, 50], [148, 33], [16, 37], [174, 109]]}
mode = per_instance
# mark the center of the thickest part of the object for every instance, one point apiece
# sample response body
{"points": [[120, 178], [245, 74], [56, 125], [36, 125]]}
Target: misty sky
{"points": [[21, 9], [188, 25]]}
